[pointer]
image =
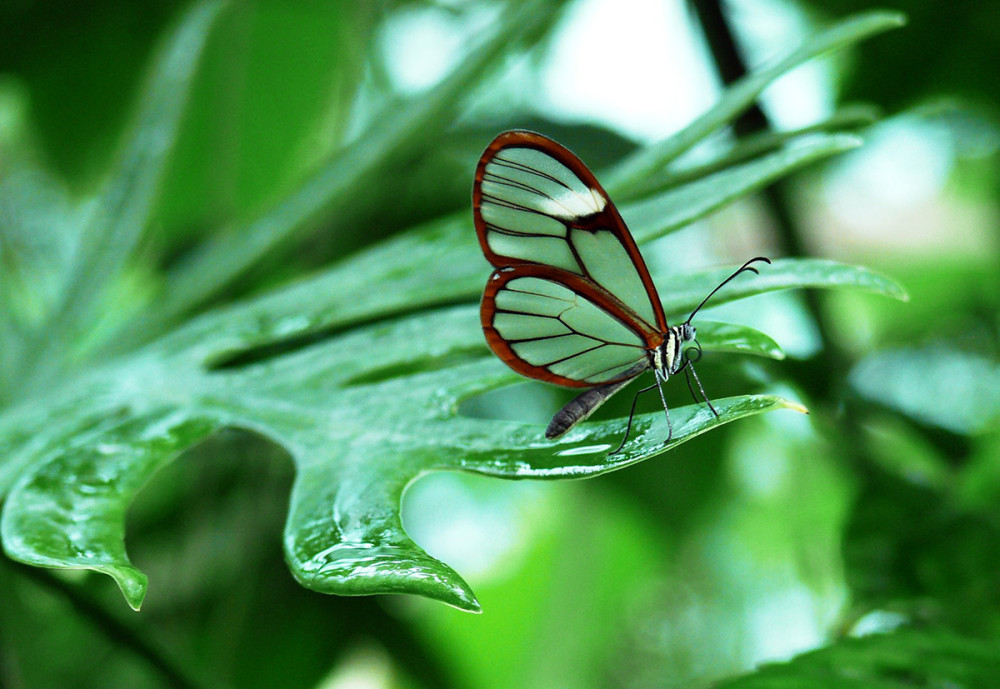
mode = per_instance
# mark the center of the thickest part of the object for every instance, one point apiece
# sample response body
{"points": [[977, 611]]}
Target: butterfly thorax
{"points": [[667, 359]]}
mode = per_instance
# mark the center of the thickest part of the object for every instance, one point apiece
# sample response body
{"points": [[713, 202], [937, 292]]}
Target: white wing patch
{"points": [[528, 195]]}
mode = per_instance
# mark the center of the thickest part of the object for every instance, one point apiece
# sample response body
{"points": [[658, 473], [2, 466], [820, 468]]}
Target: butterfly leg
{"points": [[687, 379], [689, 367], [631, 414], [660, 379]]}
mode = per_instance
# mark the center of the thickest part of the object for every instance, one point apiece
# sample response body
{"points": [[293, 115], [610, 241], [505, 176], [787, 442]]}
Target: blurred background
{"points": [[768, 538]]}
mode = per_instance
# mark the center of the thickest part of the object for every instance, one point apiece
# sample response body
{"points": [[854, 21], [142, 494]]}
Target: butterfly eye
{"points": [[689, 332]]}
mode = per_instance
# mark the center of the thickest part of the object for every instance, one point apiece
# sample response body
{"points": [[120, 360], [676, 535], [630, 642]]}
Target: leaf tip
{"points": [[893, 290], [457, 594], [896, 18], [131, 581], [887, 19], [796, 406], [471, 605], [364, 569]]}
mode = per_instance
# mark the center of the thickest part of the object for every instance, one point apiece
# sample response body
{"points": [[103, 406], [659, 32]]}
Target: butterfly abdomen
{"points": [[578, 409], [582, 406]]}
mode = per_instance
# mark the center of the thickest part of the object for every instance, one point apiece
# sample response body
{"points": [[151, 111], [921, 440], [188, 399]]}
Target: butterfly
{"points": [[571, 301]]}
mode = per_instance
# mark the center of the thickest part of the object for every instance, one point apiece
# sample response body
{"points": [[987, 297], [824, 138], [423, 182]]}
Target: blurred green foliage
{"points": [[178, 187]]}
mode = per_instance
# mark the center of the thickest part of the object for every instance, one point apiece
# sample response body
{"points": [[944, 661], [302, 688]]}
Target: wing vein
{"points": [[609, 368], [517, 233], [529, 313], [504, 162], [573, 356], [507, 182], [513, 205]]}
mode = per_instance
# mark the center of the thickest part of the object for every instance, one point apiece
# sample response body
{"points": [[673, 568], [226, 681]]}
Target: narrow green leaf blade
{"points": [[519, 451], [389, 278], [736, 339], [742, 94], [121, 211], [345, 295], [746, 149], [673, 209], [934, 384]]}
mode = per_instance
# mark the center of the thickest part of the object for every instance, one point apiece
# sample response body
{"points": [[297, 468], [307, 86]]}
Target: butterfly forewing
{"points": [[554, 326], [535, 202]]}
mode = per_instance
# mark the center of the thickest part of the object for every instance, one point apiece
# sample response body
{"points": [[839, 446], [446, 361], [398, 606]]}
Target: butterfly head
{"points": [[686, 352]]}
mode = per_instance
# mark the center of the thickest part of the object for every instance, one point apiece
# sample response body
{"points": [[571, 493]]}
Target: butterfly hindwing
{"points": [[534, 202], [553, 325]]}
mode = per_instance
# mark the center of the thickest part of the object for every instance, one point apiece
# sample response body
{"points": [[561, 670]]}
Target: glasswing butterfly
{"points": [[571, 301]]}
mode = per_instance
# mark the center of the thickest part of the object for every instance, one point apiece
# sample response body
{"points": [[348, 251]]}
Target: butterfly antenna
{"points": [[745, 267], [631, 415]]}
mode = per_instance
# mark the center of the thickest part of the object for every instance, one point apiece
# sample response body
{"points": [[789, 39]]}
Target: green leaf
{"points": [[70, 513], [391, 278], [584, 450], [355, 450], [904, 659], [736, 339], [39, 230], [358, 427], [754, 146]]}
